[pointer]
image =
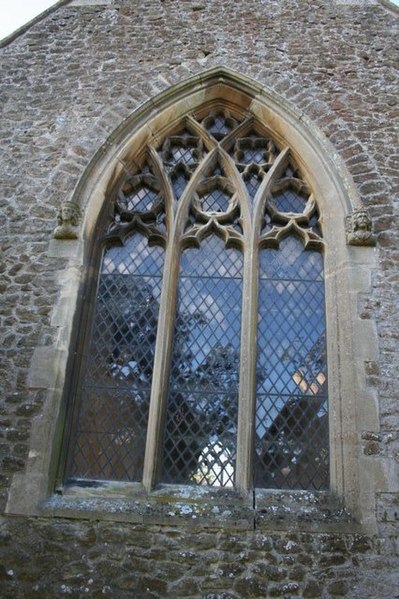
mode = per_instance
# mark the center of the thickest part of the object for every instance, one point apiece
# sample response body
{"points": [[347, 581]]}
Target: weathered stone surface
{"points": [[313, 589], [67, 83], [338, 588]]}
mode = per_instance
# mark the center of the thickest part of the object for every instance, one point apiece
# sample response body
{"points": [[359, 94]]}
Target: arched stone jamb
{"points": [[351, 342]]}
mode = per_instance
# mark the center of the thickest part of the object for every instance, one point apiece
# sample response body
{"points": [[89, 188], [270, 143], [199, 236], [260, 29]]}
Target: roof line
{"points": [[390, 6], [10, 38]]}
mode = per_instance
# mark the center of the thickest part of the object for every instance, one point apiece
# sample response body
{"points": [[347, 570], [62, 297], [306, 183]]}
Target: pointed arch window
{"points": [[205, 361]]}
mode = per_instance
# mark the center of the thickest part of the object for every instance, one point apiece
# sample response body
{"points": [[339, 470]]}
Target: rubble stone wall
{"points": [[67, 83]]}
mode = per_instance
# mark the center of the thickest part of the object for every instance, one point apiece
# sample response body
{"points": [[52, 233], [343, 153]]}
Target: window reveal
{"points": [[215, 191]]}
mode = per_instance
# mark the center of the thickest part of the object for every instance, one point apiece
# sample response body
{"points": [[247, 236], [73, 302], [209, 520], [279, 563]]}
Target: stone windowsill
{"points": [[200, 507]]}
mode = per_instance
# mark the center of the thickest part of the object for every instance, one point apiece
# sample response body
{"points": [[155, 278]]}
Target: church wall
{"points": [[67, 83]]}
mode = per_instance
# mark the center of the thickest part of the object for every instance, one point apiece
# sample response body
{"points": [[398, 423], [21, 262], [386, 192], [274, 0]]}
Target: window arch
{"points": [[348, 266], [208, 327]]}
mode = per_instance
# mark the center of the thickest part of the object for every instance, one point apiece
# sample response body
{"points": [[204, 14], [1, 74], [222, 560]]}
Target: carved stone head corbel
{"points": [[68, 218], [359, 228]]}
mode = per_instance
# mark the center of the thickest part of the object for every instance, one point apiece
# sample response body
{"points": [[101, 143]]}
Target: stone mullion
{"points": [[240, 131], [246, 390], [165, 331], [165, 183], [162, 358], [162, 355], [249, 335], [197, 129], [247, 387]]}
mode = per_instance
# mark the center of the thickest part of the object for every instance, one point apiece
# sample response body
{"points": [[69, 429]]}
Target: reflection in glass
{"points": [[291, 413], [199, 437], [219, 126], [201, 422], [252, 182], [215, 201], [112, 422], [141, 200], [289, 200]]}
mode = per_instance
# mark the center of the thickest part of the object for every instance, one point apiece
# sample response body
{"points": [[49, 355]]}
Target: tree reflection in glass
{"points": [[291, 413], [201, 422], [112, 422]]}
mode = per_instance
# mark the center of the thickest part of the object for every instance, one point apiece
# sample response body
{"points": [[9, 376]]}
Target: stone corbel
{"points": [[68, 219], [359, 228]]}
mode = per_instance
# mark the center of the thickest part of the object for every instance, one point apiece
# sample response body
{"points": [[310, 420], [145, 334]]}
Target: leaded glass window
{"points": [[201, 428], [291, 437], [205, 360]]}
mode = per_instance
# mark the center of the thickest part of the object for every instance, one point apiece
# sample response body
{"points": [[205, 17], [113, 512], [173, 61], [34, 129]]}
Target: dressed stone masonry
{"points": [[217, 182]]}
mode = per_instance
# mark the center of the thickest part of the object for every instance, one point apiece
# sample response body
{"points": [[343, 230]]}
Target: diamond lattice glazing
{"points": [[112, 421], [180, 155], [200, 434], [254, 149], [141, 200], [181, 149], [252, 182], [289, 200], [215, 201], [291, 426], [179, 181], [219, 126]]}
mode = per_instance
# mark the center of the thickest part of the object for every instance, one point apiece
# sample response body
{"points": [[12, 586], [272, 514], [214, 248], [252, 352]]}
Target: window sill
{"points": [[170, 505]]}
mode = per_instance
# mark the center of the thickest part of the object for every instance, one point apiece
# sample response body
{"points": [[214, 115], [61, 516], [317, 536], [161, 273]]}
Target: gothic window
{"points": [[205, 360]]}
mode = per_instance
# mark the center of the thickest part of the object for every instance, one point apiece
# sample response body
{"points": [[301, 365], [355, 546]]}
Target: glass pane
{"points": [[252, 182], [179, 180], [219, 126], [291, 261], [255, 149], [183, 148], [141, 200], [180, 155], [112, 421], [252, 154], [289, 200], [201, 425], [215, 201], [291, 440]]}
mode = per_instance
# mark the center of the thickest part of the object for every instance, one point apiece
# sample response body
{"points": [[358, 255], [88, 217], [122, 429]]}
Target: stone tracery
{"points": [[217, 175]]}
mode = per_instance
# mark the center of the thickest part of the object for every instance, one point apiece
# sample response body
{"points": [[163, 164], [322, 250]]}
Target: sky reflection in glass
{"points": [[112, 422], [200, 438], [291, 364]]}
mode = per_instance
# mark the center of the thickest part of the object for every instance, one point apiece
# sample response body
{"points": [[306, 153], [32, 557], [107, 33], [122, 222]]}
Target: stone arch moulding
{"points": [[348, 272]]}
